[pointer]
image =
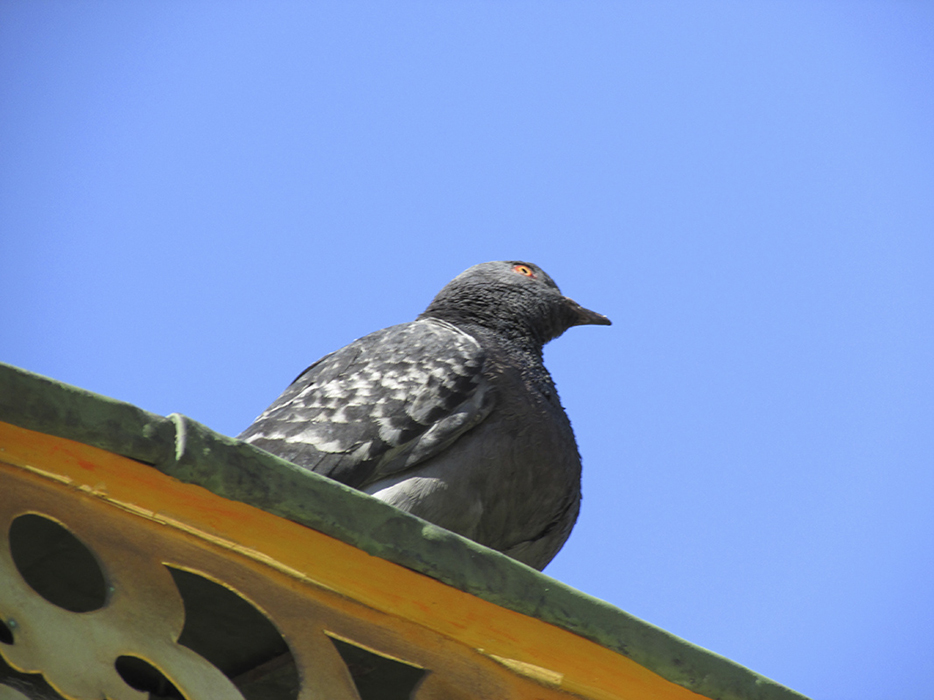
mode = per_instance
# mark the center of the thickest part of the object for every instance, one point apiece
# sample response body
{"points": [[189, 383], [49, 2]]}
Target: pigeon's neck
{"points": [[519, 350], [516, 340], [524, 319]]}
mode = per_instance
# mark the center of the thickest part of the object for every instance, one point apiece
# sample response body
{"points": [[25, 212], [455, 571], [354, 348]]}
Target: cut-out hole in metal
{"points": [[56, 565], [231, 633], [30, 685], [6, 634], [378, 677], [142, 675]]}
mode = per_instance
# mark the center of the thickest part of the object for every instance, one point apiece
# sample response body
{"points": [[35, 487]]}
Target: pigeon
{"points": [[452, 417]]}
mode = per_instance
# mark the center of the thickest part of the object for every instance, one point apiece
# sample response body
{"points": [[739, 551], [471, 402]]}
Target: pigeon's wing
{"points": [[380, 405]]}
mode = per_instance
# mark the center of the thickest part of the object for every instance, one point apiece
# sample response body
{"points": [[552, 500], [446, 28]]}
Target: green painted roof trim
{"points": [[192, 453]]}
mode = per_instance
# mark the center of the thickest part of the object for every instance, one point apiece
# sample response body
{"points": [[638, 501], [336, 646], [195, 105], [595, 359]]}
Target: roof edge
{"points": [[187, 450]]}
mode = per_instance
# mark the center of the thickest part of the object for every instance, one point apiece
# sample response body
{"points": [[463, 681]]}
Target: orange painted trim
{"points": [[564, 660]]}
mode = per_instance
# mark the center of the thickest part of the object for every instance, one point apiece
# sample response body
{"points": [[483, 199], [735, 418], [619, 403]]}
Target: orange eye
{"points": [[523, 270]]}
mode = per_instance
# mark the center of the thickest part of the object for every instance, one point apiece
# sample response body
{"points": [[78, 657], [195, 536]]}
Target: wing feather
{"points": [[380, 405]]}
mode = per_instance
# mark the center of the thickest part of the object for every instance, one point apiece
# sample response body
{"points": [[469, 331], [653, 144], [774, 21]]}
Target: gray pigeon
{"points": [[451, 417]]}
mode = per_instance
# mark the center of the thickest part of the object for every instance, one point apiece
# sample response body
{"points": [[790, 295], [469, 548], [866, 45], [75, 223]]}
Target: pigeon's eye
{"points": [[524, 270]]}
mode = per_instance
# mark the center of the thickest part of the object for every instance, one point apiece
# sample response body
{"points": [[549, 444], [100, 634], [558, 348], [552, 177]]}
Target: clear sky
{"points": [[197, 200]]}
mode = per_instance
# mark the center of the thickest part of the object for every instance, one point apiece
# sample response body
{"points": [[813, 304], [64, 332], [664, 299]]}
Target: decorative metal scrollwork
{"points": [[99, 602]]}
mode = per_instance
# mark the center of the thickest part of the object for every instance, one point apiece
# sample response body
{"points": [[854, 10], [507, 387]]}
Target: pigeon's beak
{"points": [[586, 317]]}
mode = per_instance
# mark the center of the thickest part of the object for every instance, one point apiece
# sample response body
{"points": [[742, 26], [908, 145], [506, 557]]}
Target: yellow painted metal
{"points": [[313, 587]]}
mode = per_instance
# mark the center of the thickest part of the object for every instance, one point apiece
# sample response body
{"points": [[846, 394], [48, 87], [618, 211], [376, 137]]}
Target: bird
{"points": [[452, 417]]}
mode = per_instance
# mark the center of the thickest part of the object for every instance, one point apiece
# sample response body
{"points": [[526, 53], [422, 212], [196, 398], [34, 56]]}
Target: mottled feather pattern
{"points": [[380, 404], [451, 417]]}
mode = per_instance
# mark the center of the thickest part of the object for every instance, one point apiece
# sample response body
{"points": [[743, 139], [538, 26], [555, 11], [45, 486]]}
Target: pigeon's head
{"points": [[514, 298]]}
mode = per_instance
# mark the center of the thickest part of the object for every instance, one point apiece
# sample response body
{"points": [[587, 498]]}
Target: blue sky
{"points": [[197, 200]]}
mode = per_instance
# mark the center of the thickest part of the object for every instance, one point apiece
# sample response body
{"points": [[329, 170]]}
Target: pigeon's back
{"points": [[379, 405]]}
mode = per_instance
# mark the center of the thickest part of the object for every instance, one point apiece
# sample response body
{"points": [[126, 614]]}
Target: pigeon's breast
{"points": [[510, 483]]}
